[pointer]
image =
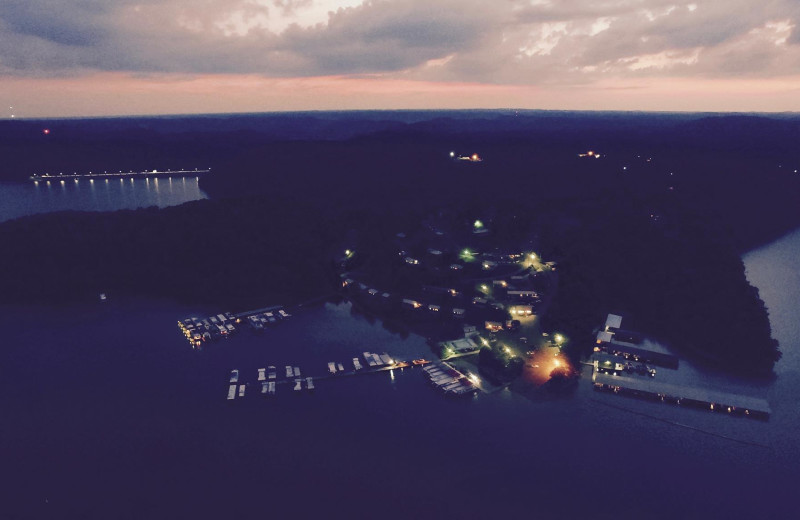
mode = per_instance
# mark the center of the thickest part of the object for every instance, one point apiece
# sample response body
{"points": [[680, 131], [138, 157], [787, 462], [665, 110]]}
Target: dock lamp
{"points": [[559, 339]]}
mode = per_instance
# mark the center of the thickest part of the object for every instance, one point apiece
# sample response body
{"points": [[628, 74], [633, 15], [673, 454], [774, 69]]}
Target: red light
{"points": [[46, 131]]}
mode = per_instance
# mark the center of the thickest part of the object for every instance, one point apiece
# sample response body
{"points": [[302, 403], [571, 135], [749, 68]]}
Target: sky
{"points": [[64, 58]]}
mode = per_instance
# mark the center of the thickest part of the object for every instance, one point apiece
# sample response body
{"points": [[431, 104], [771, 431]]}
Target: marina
{"points": [[337, 370], [202, 330]]}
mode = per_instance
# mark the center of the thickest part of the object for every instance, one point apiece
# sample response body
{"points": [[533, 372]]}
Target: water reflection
{"points": [[21, 199]]}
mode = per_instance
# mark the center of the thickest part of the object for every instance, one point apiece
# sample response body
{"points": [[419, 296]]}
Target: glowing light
{"points": [[452, 154], [559, 338], [46, 131], [478, 224]]}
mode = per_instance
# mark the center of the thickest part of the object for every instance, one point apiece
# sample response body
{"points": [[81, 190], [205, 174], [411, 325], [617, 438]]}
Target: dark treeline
{"points": [[654, 228]]}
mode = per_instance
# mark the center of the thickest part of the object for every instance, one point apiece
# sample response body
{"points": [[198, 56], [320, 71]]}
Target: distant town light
{"points": [[478, 224], [452, 154], [559, 338]]}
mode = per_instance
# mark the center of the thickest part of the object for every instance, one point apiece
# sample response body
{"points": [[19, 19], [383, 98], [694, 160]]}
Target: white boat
{"points": [[298, 384], [264, 387], [261, 375], [332, 367], [296, 371], [272, 374], [284, 314], [289, 371], [309, 383], [231, 392], [356, 363], [271, 388], [341, 368], [241, 390], [387, 360], [234, 376]]}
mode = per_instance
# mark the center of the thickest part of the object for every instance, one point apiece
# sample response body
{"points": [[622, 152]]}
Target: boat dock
{"points": [[47, 177], [201, 330], [446, 378], [293, 375], [683, 395]]}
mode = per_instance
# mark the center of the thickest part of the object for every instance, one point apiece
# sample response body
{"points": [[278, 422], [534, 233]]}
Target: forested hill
{"points": [[656, 224]]}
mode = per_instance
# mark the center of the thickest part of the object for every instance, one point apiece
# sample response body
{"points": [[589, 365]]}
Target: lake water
{"points": [[108, 413], [21, 199]]}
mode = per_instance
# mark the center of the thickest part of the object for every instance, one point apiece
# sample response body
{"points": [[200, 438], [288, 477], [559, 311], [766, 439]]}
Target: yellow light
{"points": [[557, 363]]}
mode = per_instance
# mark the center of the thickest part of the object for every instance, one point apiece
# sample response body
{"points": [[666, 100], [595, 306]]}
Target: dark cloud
{"points": [[504, 41]]}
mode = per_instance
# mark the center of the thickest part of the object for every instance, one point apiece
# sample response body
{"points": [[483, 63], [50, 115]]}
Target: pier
{"points": [[119, 175]]}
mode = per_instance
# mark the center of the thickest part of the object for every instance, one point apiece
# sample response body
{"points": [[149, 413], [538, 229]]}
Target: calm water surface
{"points": [[21, 199], [107, 413]]}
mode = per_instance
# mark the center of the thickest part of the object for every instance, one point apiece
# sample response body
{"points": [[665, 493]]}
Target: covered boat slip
{"points": [[647, 352], [679, 394]]}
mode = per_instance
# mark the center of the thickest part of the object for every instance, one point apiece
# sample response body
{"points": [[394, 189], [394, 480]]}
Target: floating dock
{"points": [[446, 378], [683, 395], [241, 390], [231, 392]]}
